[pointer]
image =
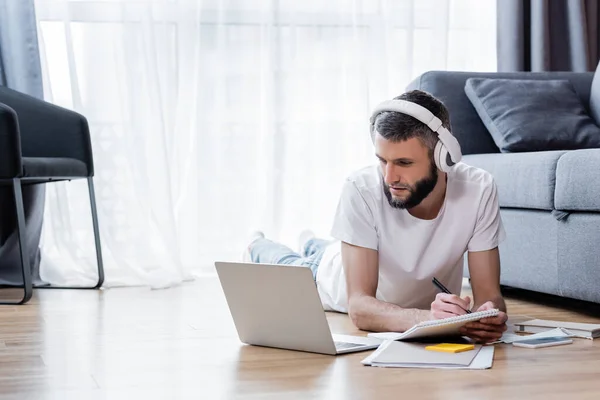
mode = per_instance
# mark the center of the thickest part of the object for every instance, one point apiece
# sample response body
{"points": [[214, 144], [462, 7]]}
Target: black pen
{"points": [[443, 289]]}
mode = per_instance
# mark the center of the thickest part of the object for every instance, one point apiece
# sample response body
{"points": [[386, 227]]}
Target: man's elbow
{"points": [[357, 313]]}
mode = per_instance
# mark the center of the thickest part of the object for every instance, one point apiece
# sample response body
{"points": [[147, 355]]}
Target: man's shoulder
{"points": [[364, 183], [472, 177], [366, 178]]}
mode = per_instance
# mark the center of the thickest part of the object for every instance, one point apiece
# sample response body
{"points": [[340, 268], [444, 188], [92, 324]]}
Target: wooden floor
{"points": [[135, 343]]}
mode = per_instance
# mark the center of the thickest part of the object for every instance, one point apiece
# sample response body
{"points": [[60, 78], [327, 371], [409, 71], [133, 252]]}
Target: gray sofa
{"points": [[550, 200]]}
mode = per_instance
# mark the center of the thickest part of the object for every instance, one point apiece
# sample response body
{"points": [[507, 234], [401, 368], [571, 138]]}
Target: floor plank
{"points": [[181, 343]]}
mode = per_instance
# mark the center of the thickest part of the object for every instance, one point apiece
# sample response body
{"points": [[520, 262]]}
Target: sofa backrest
{"points": [[449, 87]]}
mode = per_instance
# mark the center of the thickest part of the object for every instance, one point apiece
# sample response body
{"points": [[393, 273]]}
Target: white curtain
{"points": [[210, 119]]}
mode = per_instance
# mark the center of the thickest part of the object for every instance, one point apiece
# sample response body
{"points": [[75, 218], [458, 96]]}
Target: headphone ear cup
{"points": [[440, 156]]}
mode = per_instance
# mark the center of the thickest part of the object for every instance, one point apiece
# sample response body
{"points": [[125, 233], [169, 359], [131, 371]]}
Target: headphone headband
{"points": [[425, 116]]}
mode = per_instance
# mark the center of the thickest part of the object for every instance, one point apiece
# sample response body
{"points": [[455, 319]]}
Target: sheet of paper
{"points": [[416, 353], [557, 332], [384, 335], [483, 360]]}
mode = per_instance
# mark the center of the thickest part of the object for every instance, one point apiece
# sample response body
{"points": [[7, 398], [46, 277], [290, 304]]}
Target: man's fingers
{"points": [[493, 321], [481, 334], [452, 308], [442, 314], [488, 305], [467, 301], [485, 327], [442, 309], [500, 319], [454, 299]]}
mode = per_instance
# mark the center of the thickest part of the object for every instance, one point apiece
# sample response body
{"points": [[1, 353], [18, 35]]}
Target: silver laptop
{"points": [[279, 306]]}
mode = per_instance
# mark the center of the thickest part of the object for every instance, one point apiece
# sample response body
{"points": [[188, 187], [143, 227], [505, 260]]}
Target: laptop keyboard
{"points": [[346, 345]]}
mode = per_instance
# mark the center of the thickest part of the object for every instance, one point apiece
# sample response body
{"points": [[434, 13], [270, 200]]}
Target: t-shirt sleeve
{"points": [[489, 229], [354, 222]]}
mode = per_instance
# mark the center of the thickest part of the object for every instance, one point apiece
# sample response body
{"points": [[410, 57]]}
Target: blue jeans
{"points": [[265, 251]]}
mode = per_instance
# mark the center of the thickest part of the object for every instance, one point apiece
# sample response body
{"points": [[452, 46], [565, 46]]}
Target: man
{"points": [[401, 223]]}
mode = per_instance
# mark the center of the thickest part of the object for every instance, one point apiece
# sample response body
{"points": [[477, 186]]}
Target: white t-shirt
{"points": [[411, 250]]}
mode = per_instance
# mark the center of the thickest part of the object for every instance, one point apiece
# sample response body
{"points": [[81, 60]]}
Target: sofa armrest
{"points": [[47, 130], [11, 164], [449, 87]]}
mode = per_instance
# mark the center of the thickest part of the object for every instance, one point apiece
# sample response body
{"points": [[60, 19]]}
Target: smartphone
{"points": [[543, 342]]}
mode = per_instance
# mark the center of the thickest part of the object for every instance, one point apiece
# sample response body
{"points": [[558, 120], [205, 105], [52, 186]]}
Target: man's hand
{"points": [[486, 329], [449, 305]]}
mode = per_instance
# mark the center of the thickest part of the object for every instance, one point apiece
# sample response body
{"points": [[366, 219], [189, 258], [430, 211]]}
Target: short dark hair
{"points": [[398, 127]]}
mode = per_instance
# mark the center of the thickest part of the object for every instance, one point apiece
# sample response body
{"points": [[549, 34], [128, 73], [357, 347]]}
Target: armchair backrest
{"points": [[10, 144], [47, 130]]}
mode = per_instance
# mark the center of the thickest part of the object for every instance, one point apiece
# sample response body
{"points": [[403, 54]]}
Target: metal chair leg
{"points": [[25, 267], [96, 232], [96, 240]]}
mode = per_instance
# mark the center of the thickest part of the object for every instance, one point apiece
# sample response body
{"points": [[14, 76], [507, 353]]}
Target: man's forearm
{"points": [[370, 314]]}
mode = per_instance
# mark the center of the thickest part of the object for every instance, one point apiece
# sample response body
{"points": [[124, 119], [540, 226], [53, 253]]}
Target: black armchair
{"points": [[41, 143]]}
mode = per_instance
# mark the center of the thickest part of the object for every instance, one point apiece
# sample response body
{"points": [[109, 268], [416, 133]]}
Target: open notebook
{"points": [[436, 328]]}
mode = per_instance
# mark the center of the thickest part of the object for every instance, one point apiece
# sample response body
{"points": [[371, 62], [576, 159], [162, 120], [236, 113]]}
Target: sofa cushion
{"points": [[449, 88], [524, 180], [531, 115], [595, 96], [578, 181]]}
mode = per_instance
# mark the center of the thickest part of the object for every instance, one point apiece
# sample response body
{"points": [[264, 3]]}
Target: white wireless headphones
{"points": [[447, 150]]}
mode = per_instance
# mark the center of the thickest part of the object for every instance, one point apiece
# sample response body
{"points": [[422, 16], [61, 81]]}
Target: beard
{"points": [[417, 192]]}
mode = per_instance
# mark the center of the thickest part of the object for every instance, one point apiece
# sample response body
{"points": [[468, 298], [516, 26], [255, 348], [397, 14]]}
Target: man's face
{"points": [[409, 175]]}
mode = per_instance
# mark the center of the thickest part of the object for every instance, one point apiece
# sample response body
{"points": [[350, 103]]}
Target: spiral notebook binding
{"points": [[461, 318]]}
